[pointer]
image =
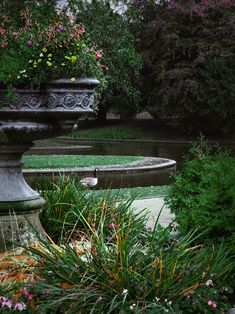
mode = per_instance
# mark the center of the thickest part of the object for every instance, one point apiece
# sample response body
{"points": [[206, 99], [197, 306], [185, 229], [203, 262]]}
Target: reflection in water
{"points": [[172, 150], [153, 149]]}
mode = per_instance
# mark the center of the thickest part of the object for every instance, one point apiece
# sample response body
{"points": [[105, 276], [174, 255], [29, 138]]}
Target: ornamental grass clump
{"points": [[125, 272], [106, 261], [71, 209], [37, 48]]}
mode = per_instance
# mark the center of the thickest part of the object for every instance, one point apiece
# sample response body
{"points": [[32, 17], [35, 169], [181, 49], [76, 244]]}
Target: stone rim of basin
{"points": [[147, 163]]}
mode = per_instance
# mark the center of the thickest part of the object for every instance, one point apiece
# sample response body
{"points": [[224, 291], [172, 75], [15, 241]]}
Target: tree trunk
{"points": [[102, 114]]}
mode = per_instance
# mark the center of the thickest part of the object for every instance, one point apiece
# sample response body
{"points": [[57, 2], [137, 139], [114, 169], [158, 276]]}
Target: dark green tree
{"points": [[111, 32], [188, 56]]}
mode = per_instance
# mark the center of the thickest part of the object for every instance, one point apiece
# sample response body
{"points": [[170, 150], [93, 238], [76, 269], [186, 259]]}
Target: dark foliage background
{"points": [[188, 75]]}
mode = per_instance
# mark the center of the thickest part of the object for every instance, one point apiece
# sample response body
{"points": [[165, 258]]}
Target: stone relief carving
{"points": [[68, 101]]}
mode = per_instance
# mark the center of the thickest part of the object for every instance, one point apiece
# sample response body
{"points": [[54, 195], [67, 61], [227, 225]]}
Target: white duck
{"points": [[90, 182]]}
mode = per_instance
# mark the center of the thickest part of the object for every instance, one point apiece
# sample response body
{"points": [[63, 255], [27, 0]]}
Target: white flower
{"points": [[131, 308], [157, 299], [30, 61], [41, 54], [209, 282], [125, 291]]}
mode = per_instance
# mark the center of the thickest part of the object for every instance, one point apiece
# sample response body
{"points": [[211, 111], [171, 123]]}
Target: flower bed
{"points": [[106, 261]]}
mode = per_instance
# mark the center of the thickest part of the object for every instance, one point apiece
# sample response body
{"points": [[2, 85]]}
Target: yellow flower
{"points": [[73, 59], [44, 49], [72, 79], [49, 63], [49, 55], [39, 60], [63, 64]]}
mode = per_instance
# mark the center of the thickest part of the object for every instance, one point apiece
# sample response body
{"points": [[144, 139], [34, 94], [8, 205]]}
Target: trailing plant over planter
{"points": [[36, 48], [188, 62]]}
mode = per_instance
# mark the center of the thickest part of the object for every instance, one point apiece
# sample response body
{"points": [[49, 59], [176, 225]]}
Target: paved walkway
{"points": [[154, 206]]}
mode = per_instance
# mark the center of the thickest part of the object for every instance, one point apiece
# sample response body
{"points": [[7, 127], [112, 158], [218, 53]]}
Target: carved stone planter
{"points": [[33, 115]]}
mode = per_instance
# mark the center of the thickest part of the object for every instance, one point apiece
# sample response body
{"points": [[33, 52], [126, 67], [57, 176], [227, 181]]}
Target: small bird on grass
{"points": [[90, 182]]}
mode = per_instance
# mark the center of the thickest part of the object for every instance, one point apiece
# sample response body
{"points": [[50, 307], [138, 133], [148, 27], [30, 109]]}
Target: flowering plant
{"points": [[36, 49]]}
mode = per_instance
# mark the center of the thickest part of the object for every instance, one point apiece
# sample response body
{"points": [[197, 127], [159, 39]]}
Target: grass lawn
{"points": [[73, 161], [137, 192], [137, 130], [115, 132], [133, 130]]}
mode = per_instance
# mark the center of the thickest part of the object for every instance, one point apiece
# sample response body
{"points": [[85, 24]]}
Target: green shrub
{"points": [[202, 195]]}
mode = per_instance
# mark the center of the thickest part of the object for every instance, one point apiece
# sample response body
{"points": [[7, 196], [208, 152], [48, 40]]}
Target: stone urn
{"points": [[33, 115]]}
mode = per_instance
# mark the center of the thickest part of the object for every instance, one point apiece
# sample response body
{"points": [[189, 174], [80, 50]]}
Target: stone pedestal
{"points": [[13, 187], [32, 115], [23, 228], [19, 204]]}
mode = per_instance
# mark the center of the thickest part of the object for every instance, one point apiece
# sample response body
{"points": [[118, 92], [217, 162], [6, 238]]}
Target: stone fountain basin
{"points": [[149, 171]]}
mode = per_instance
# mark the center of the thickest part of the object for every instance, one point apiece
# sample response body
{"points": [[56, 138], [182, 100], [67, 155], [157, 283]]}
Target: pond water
{"points": [[164, 149], [170, 150]]}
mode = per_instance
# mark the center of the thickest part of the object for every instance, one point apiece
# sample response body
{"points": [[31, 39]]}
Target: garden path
{"points": [[154, 206]]}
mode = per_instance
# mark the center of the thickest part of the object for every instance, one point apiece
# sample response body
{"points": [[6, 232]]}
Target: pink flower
{"points": [[72, 17], [27, 294], [212, 304], [2, 31], [106, 69], [98, 54], [112, 226], [209, 282], [20, 306], [30, 42], [5, 302]]}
